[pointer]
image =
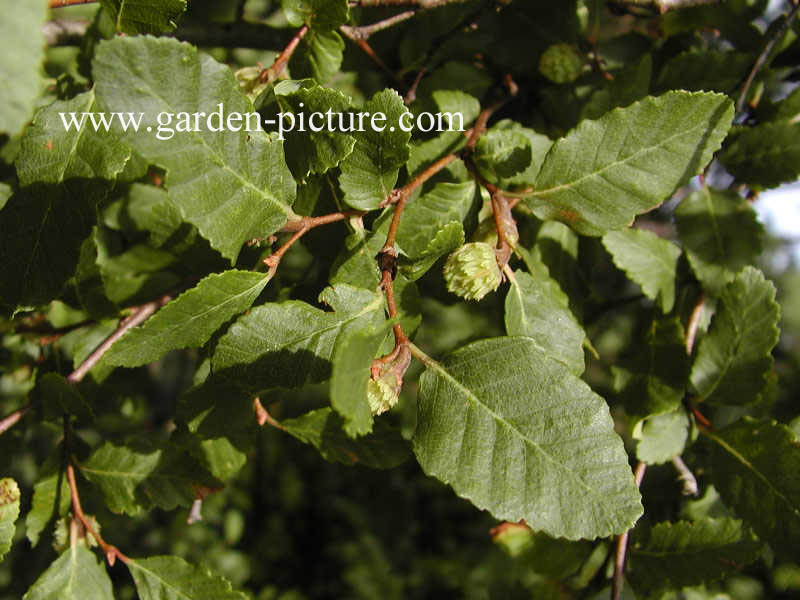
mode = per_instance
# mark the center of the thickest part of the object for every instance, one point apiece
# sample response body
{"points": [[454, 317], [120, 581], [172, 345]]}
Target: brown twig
{"points": [[263, 417], [112, 553], [363, 32], [773, 40], [302, 226], [622, 545], [137, 317], [273, 72], [63, 3], [9, 421], [694, 324]]}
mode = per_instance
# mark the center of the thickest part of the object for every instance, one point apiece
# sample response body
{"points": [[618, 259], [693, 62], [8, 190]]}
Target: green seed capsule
{"points": [[472, 271], [561, 63]]}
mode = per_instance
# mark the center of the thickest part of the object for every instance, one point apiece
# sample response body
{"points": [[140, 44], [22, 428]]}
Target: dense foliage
{"points": [[536, 358]]}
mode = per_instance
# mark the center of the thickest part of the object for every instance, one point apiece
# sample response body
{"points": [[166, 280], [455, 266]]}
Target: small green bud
{"points": [[472, 271], [561, 63], [380, 395]]}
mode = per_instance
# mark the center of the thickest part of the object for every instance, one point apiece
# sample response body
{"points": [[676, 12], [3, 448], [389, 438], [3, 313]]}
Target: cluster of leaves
{"points": [[185, 321]]}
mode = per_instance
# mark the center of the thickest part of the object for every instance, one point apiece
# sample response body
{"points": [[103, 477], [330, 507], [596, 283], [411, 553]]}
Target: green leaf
{"points": [[648, 260], [139, 476], [734, 358], [721, 234], [310, 151], [670, 556], [75, 575], [448, 238], [370, 172], [765, 155], [232, 185], [291, 343], [754, 467], [629, 85], [9, 511], [708, 70], [6, 191], [42, 228], [663, 437], [540, 145], [454, 103], [172, 578], [503, 153], [190, 319], [537, 308], [516, 433], [640, 155], [22, 46], [352, 358], [384, 448], [653, 381], [50, 499], [426, 216], [144, 16], [50, 153], [318, 14], [319, 56], [59, 398]]}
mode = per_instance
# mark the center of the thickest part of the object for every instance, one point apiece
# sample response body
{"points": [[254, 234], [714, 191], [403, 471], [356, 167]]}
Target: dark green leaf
{"points": [[42, 228], [50, 499], [370, 172], [75, 575], [291, 343], [755, 469], [232, 185], [384, 448], [352, 359], [318, 14], [190, 319], [51, 154], [735, 356], [144, 16], [516, 433], [537, 308], [765, 155], [647, 260], [720, 233], [310, 151], [670, 556], [640, 155], [172, 578], [59, 398]]}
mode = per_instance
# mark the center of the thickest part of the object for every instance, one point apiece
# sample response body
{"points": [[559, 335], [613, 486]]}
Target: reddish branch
{"points": [[273, 72], [12, 419], [112, 553], [137, 317], [622, 545], [63, 3]]}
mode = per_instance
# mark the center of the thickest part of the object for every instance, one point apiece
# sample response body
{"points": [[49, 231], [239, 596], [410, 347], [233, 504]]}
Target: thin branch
{"points": [[302, 226], [139, 316], [272, 73], [263, 417], [694, 323], [112, 553], [63, 3], [363, 32], [685, 476], [622, 545], [417, 3], [12, 419], [773, 40]]}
